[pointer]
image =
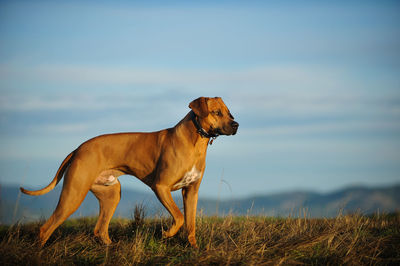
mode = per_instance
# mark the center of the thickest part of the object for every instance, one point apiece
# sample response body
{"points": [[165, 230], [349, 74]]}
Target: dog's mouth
{"points": [[234, 131]]}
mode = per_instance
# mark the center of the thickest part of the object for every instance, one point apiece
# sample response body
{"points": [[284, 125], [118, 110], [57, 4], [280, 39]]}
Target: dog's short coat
{"points": [[165, 160]]}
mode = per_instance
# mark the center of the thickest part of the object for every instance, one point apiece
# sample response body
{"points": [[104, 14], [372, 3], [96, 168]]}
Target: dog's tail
{"points": [[60, 173]]}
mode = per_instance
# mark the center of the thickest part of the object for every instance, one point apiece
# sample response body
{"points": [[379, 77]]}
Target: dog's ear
{"points": [[200, 107]]}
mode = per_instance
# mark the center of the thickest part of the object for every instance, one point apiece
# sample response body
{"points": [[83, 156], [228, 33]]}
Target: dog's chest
{"points": [[192, 176]]}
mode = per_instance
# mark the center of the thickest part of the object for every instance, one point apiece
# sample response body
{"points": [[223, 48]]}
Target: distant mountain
{"points": [[349, 200], [15, 206]]}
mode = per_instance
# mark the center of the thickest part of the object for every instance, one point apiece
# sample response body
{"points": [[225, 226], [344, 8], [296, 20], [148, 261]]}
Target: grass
{"points": [[349, 239]]}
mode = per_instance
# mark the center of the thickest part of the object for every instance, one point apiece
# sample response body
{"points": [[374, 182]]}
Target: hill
{"points": [[15, 206], [349, 200]]}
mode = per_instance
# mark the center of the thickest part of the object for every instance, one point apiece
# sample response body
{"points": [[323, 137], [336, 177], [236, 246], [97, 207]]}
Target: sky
{"points": [[315, 86]]}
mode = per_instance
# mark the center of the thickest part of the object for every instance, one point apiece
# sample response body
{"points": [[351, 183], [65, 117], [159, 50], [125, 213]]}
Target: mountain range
{"points": [[17, 207]]}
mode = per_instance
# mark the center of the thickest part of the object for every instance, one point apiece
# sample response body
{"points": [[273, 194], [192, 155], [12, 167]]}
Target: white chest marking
{"points": [[190, 177]]}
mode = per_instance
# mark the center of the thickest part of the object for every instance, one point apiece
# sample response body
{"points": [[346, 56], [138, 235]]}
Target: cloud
{"points": [[324, 128], [39, 102], [277, 100], [62, 128], [264, 85], [269, 78]]}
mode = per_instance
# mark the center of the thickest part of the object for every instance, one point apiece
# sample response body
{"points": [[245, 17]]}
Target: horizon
{"points": [[314, 86], [176, 194]]}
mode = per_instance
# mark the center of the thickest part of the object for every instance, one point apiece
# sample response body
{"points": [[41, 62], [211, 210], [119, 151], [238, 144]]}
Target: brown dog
{"points": [[165, 160]]}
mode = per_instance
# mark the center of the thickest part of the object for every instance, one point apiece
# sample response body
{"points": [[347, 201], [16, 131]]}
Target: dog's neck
{"points": [[191, 130]]}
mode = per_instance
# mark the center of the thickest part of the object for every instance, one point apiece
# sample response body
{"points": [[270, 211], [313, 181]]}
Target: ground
{"points": [[349, 239]]}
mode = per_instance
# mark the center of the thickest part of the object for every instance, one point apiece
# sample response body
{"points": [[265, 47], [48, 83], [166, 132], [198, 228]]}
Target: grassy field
{"points": [[350, 239]]}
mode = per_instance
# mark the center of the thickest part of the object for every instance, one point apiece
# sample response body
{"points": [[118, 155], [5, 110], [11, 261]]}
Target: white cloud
{"points": [[39, 102], [289, 92], [62, 128], [271, 78], [304, 88], [322, 129]]}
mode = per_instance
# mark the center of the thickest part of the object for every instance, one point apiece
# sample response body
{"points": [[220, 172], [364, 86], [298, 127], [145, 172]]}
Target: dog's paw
{"points": [[104, 239], [166, 234], [192, 241]]}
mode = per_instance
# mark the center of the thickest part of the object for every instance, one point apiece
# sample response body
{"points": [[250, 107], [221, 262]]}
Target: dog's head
{"points": [[214, 116]]}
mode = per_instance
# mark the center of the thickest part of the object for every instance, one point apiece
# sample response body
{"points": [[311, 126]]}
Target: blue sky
{"points": [[315, 86]]}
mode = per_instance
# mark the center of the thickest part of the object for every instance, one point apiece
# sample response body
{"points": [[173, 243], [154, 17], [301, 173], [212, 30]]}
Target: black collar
{"points": [[201, 131]]}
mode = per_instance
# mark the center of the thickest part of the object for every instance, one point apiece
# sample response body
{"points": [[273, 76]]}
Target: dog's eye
{"points": [[218, 113]]}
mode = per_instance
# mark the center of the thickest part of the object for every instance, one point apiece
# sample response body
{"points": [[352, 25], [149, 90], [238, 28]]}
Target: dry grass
{"points": [[350, 239]]}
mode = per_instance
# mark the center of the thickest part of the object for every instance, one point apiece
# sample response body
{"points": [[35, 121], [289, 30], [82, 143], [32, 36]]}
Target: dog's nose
{"points": [[235, 125]]}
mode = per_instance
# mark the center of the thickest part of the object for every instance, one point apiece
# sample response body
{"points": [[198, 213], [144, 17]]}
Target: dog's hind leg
{"points": [[109, 197], [73, 193]]}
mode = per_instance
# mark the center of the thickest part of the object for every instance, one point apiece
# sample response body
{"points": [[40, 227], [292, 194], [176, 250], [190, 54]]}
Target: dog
{"points": [[166, 160]]}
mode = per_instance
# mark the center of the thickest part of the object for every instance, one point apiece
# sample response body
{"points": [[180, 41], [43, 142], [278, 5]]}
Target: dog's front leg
{"points": [[190, 196], [164, 195]]}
